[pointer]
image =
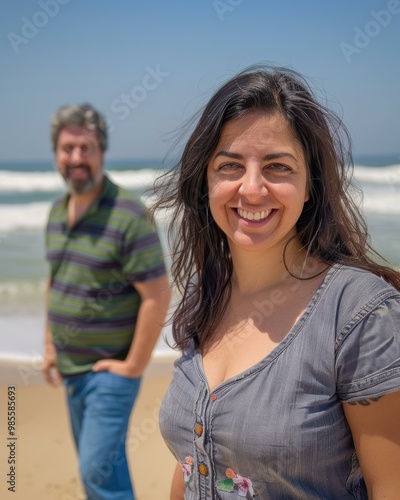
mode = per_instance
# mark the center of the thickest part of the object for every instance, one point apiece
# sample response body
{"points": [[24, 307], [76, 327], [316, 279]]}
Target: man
{"points": [[108, 296]]}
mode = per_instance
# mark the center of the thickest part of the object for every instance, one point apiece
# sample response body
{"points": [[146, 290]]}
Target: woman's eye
{"points": [[279, 168], [228, 167]]}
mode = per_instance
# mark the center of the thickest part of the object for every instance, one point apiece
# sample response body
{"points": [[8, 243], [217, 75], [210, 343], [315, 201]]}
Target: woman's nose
{"points": [[253, 185]]}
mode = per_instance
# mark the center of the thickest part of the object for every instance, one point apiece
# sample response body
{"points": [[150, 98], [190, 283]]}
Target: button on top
{"points": [[202, 468], [198, 429], [213, 397]]}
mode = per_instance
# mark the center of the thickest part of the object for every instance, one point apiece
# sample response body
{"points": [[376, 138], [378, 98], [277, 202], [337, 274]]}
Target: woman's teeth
{"points": [[253, 215]]}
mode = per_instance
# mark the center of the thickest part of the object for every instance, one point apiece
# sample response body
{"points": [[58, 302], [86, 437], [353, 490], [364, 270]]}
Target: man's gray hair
{"points": [[79, 115]]}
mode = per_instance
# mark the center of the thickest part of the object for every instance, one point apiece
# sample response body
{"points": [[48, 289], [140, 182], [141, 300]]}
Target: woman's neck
{"points": [[255, 271]]}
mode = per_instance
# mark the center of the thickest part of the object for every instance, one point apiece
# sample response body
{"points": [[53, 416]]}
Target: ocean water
{"points": [[28, 188]]}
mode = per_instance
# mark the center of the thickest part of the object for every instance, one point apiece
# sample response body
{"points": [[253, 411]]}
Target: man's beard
{"points": [[81, 186]]}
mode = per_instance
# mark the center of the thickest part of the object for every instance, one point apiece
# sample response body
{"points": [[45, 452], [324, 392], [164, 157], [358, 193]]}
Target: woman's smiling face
{"points": [[257, 182]]}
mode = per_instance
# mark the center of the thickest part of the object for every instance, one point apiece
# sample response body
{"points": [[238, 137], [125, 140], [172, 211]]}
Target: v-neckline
{"points": [[281, 346]]}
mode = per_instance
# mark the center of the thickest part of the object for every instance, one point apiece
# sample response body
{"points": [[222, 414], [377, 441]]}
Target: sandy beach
{"points": [[45, 459]]}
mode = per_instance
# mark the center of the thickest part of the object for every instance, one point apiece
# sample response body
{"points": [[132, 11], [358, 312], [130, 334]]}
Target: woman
{"points": [[288, 384]]}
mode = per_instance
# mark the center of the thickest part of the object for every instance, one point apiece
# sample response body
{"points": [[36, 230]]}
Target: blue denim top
{"points": [[278, 430]]}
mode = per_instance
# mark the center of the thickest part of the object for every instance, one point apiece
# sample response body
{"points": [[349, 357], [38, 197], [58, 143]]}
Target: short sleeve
{"points": [[142, 253], [368, 354]]}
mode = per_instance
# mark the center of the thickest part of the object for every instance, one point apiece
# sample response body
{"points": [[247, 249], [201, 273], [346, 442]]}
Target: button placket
{"points": [[200, 425]]}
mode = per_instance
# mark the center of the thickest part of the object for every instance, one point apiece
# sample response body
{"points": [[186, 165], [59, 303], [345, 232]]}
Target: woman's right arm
{"points": [[178, 485]]}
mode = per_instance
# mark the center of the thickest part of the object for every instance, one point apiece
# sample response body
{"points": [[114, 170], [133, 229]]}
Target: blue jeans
{"points": [[100, 405]]}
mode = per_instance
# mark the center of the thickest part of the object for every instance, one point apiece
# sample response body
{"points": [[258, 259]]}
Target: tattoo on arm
{"points": [[365, 402]]}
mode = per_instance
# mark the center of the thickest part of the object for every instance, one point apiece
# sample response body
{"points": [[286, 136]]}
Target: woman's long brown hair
{"points": [[330, 227]]}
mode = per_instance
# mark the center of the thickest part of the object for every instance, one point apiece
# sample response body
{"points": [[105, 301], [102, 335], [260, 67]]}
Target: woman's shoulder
{"points": [[360, 281], [351, 290]]}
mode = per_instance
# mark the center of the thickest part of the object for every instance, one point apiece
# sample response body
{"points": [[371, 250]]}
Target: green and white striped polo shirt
{"points": [[93, 304]]}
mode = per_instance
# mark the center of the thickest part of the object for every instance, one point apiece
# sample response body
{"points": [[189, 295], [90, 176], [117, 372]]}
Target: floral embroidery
{"points": [[187, 469], [236, 483]]}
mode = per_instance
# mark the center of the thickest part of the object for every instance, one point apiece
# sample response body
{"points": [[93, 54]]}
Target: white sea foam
{"points": [[382, 175], [387, 203], [27, 182], [34, 216], [25, 216], [134, 179], [12, 289]]}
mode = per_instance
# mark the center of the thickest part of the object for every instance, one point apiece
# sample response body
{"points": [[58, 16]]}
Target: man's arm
{"points": [[374, 424], [49, 366], [155, 297]]}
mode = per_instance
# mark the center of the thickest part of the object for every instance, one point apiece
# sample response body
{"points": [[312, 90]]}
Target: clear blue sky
{"points": [[168, 57]]}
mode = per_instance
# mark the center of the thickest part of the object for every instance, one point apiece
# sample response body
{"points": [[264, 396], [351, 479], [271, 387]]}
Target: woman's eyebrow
{"points": [[267, 157]]}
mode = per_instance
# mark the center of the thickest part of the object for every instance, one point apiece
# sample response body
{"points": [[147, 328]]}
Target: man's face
{"points": [[79, 159]]}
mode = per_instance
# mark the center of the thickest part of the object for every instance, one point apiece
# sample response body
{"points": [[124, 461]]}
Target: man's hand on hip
{"points": [[115, 366]]}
